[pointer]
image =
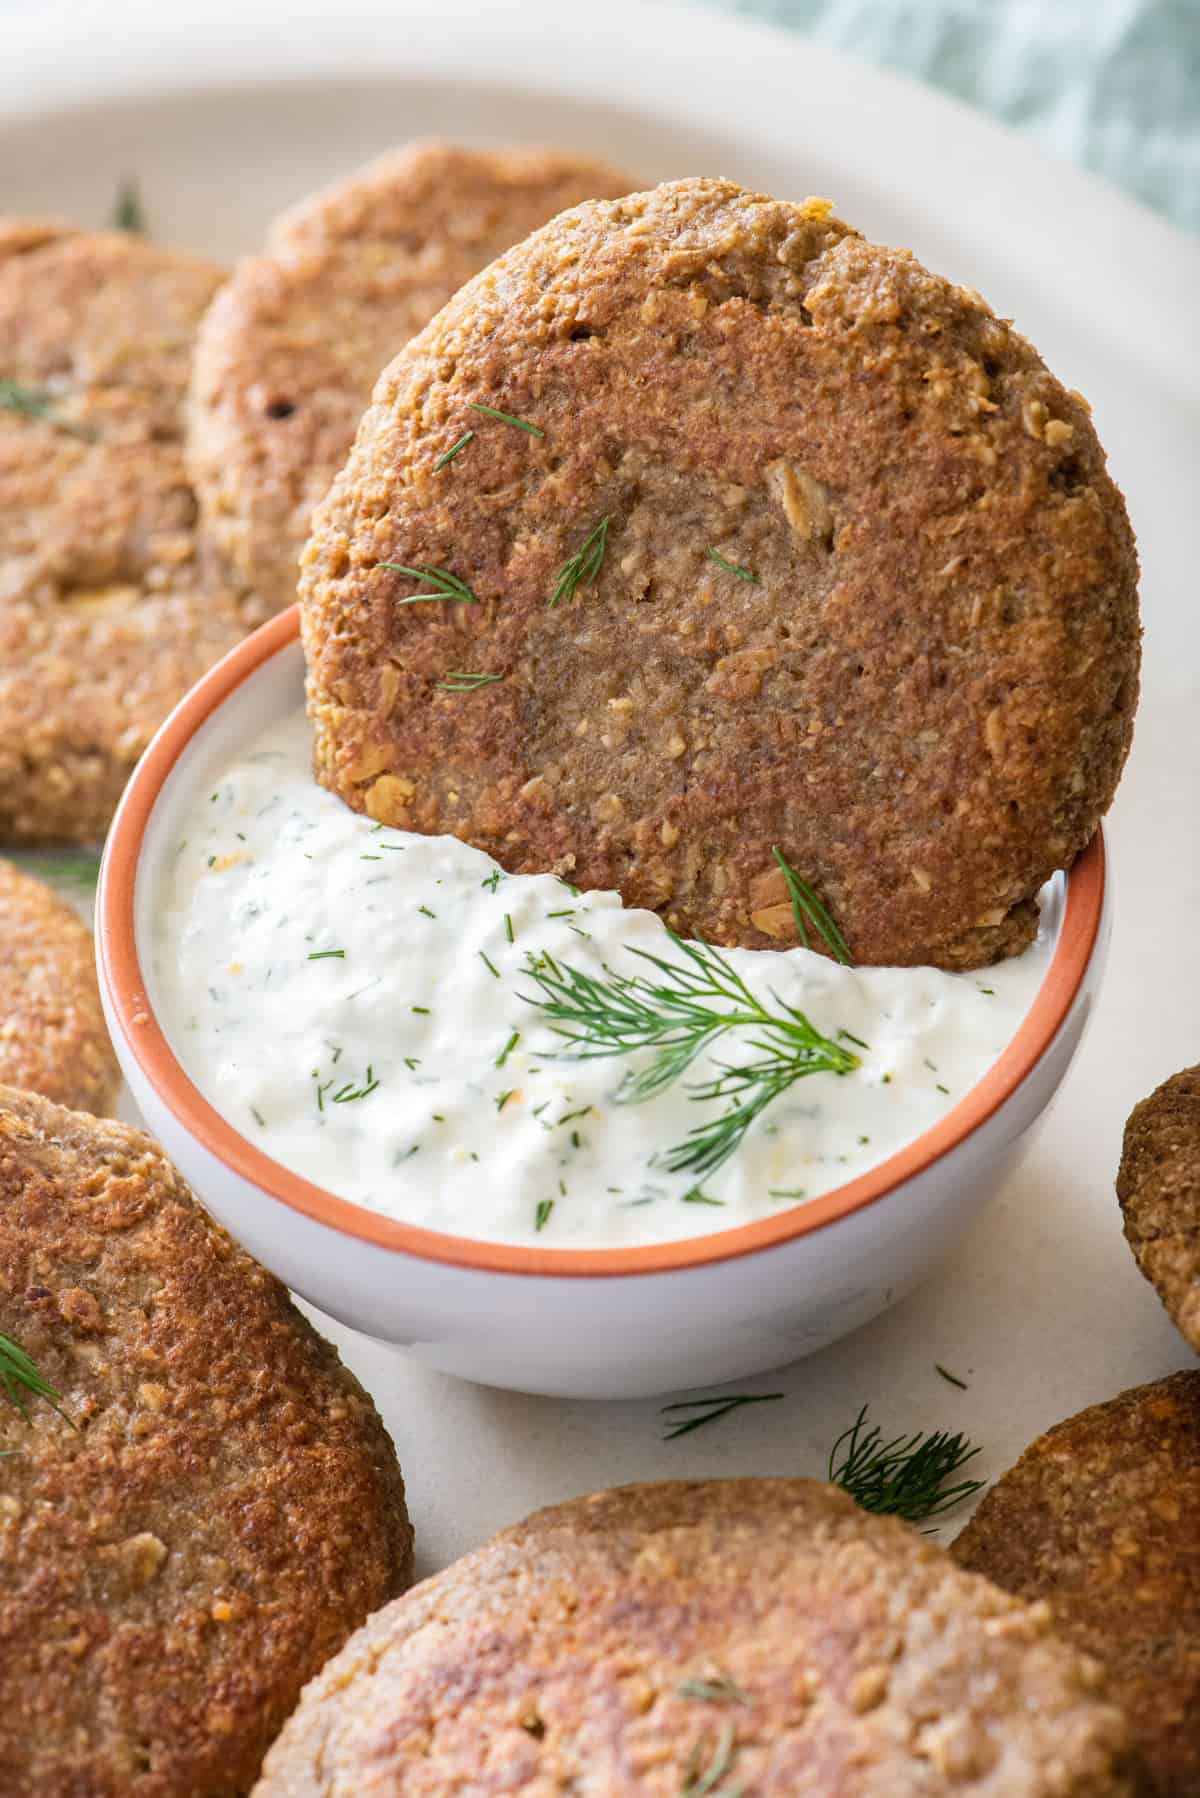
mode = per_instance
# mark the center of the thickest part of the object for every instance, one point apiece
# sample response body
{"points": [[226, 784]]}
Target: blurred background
{"points": [[1112, 84]]}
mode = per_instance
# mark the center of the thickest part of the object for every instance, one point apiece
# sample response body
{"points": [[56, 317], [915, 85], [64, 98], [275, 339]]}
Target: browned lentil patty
{"points": [[287, 356], [1159, 1189], [917, 674], [53, 1038], [110, 604], [573, 1653], [226, 1509], [1101, 1517]]}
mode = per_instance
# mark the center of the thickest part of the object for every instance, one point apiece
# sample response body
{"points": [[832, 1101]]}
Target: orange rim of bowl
{"points": [[146, 1041]]}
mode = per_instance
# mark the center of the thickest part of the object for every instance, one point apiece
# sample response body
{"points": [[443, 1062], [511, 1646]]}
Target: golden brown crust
{"points": [[924, 697], [110, 604], [226, 1510], [551, 1660], [287, 356], [1158, 1186], [53, 1038], [1101, 1518]]}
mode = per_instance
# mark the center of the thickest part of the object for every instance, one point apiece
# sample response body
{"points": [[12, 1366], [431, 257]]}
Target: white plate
{"points": [[226, 112]]}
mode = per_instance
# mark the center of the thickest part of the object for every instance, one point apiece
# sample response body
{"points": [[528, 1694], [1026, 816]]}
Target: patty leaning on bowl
{"points": [[766, 538], [209, 1508], [291, 347], [762, 1637]]}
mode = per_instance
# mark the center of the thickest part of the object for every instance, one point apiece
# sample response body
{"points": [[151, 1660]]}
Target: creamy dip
{"points": [[355, 1000]]}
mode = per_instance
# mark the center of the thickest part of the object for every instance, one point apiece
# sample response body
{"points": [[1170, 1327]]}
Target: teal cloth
{"points": [[1113, 84]]}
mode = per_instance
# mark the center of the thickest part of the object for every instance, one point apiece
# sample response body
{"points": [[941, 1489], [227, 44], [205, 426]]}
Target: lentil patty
{"points": [[1158, 1186], [110, 604], [53, 1038], [225, 1510], [765, 1634], [854, 583], [287, 356], [1101, 1517]]}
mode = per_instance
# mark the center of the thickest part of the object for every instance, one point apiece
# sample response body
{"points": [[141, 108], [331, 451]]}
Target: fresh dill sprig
{"points": [[81, 870], [708, 1410], [717, 1690], [457, 682], [327, 955], [708, 1764], [542, 1215], [677, 1013], [449, 455], [506, 418], [584, 565], [807, 909], [906, 1477], [128, 213], [743, 574], [442, 583], [19, 1375], [354, 1089], [951, 1377]]}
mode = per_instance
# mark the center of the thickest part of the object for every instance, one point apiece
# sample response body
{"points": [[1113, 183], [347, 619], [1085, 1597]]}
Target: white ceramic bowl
{"points": [[602, 1323]]}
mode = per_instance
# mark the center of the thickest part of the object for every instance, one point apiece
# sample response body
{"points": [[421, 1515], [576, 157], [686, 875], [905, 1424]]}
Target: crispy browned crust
{"points": [[924, 697], [227, 1509], [287, 356], [1158, 1186], [110, 604], [53, 1038], [1101, 1517], [551, 1661]]}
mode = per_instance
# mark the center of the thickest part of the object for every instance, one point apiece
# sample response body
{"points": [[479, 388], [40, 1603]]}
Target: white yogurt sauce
{"points": [[349, 997]]}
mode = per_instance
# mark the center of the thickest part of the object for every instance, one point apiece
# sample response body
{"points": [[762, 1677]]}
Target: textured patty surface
{"points": [[1101, 1516], [291, 349], [226, 1509], [1159, 1188], [53, 1038], [913, 668], [633, 1642], [110, 604]]}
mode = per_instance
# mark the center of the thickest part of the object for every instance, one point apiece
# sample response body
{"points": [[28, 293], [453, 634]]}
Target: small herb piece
{"points": [[442, 583], [952, 1377], [542, 1214], [698, 1779], [489, 965], [906, 1477], [508, 1048], [508, 928], [426, 911], [466, 683], [493, 880], [328, 955], [30, 402], [743, 574], [19, 1375], [506, 418], [258, 1117], [422, 1010], [127, 212], [584, 565], [685, 1010], [807, 909], [503, 1098], [450, 454], [696, 1197], [713, 1691], [80, 871], [352, 1091], [708, 1410]]}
